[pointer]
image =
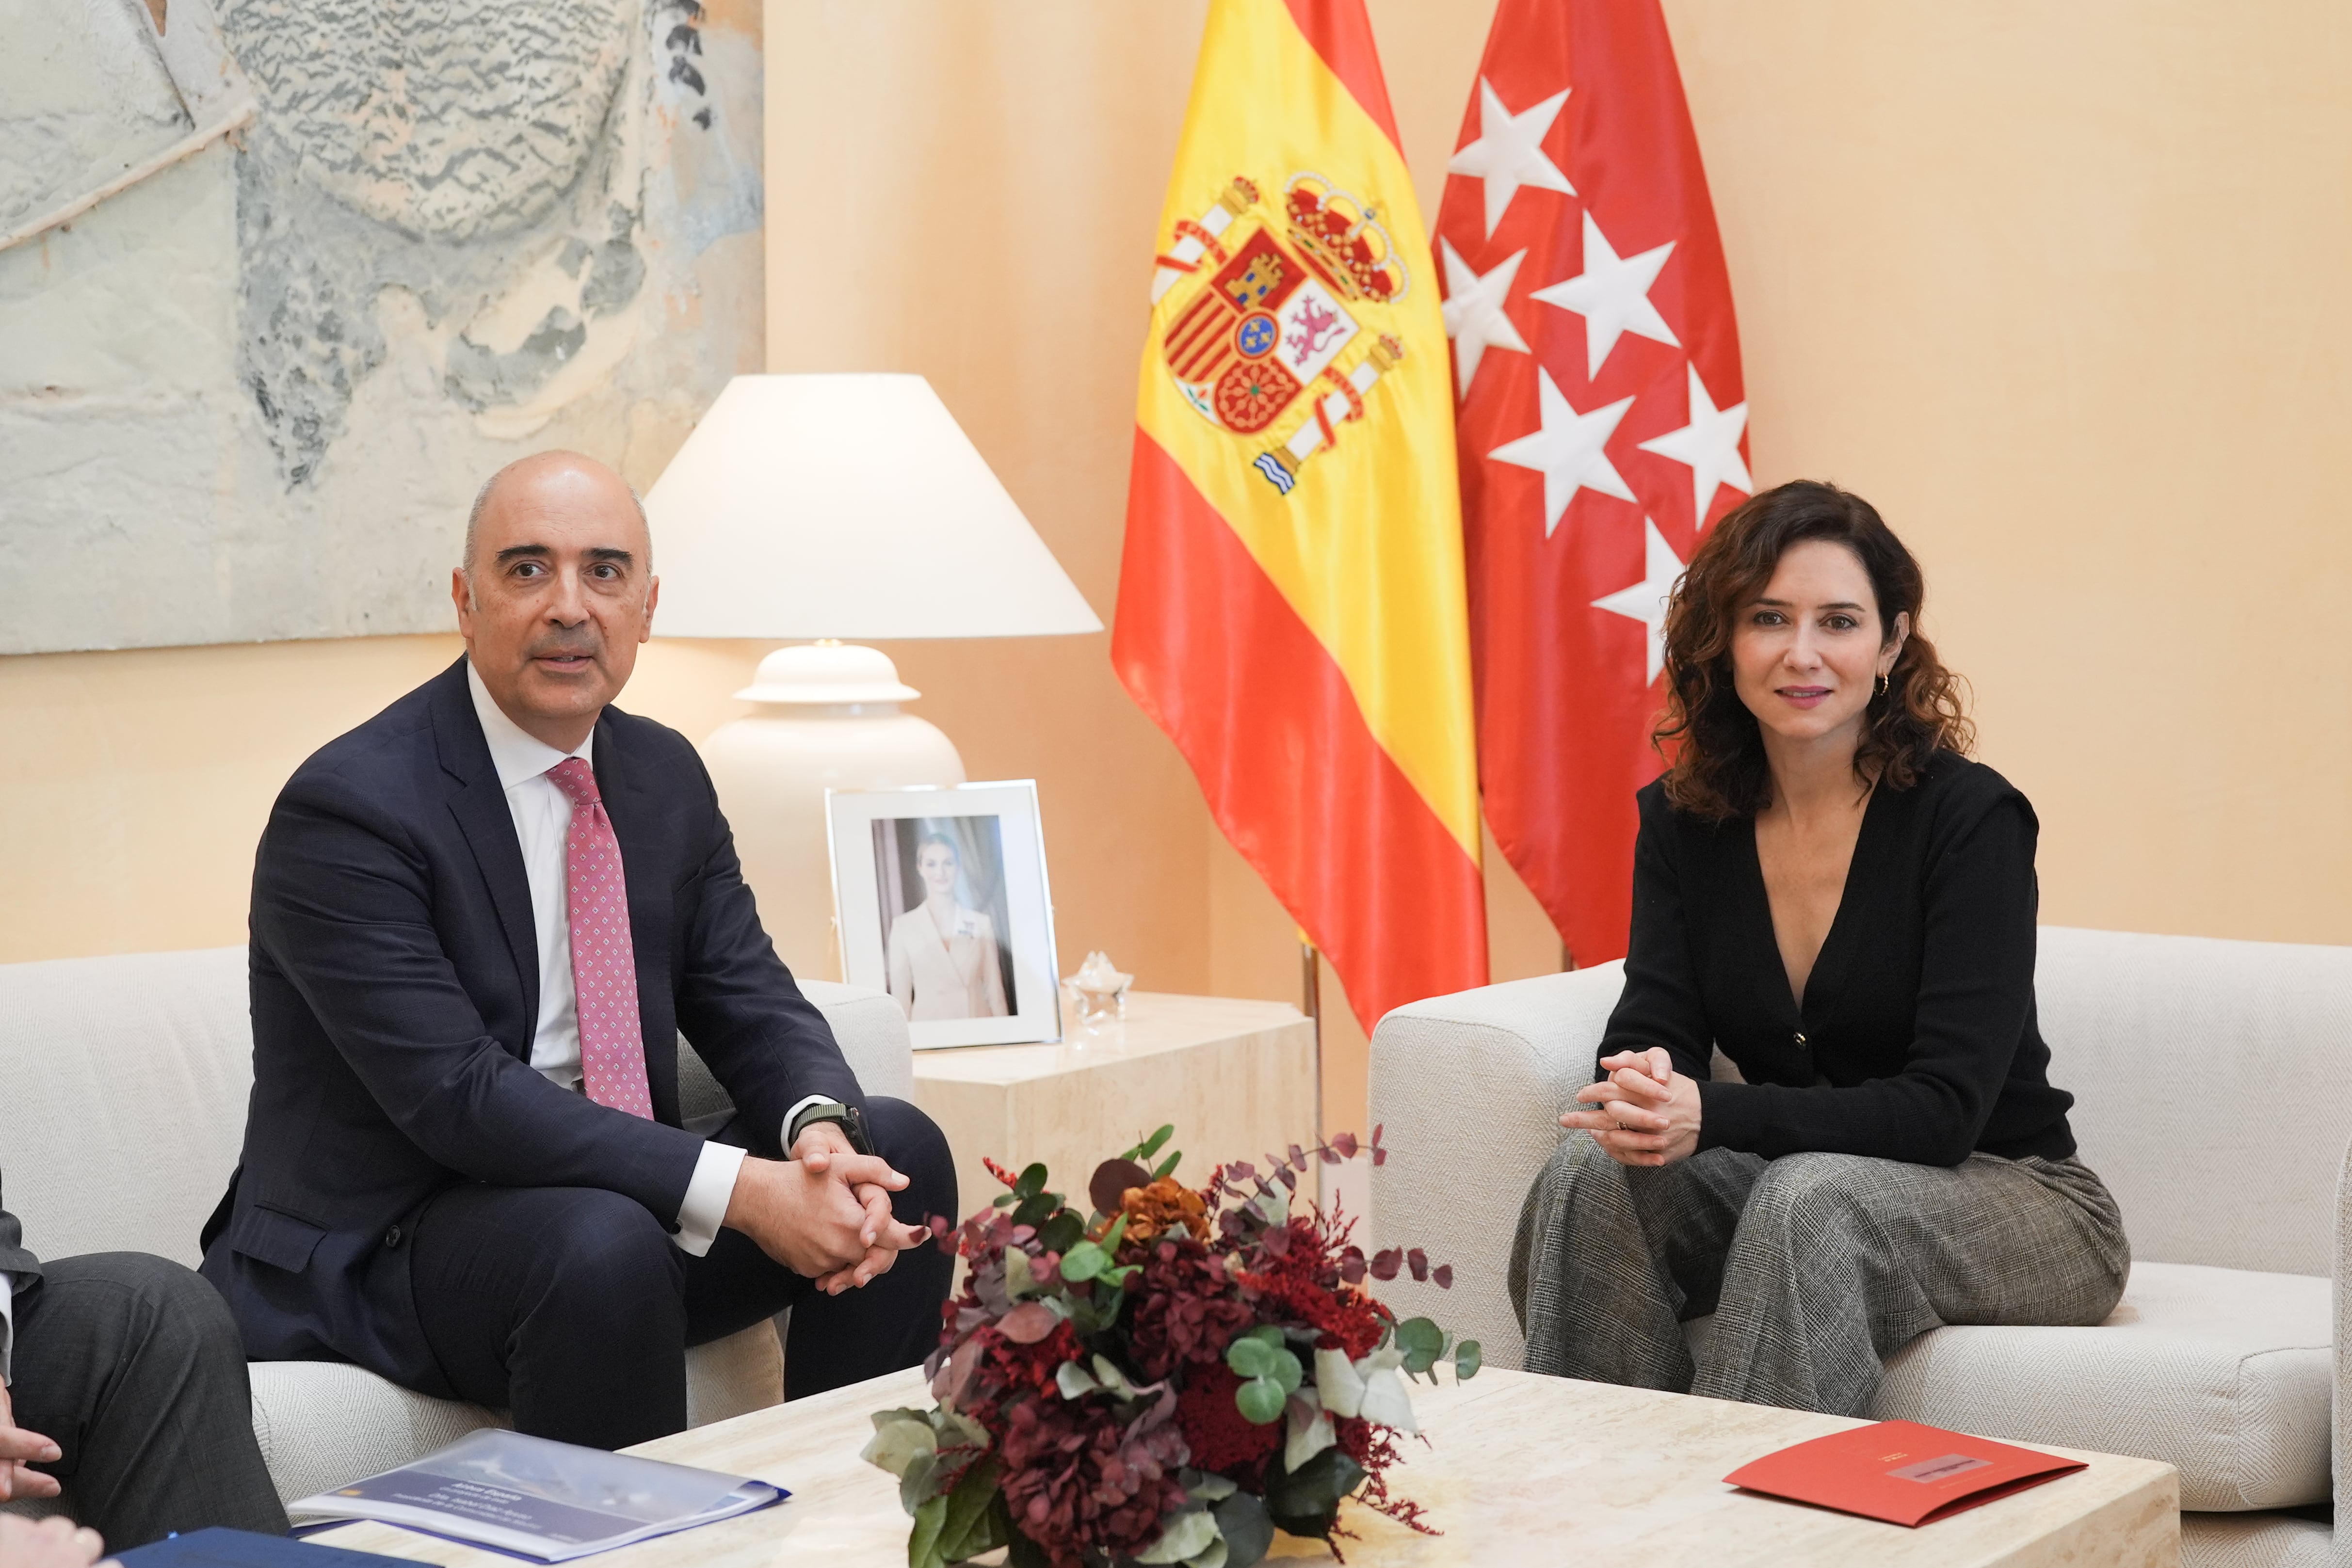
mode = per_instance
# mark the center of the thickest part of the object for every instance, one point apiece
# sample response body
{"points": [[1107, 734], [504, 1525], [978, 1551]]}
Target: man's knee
{"points": [[915, 1148], [161, 1301], [598, 1241]]}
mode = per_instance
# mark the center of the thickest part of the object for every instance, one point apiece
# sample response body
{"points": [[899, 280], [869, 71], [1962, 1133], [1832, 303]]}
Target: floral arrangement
{"points": [[1168, 1379]]}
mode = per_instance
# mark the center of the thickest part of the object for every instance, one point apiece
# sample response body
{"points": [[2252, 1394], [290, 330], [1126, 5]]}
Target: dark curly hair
{"points": [[1719, 770]]}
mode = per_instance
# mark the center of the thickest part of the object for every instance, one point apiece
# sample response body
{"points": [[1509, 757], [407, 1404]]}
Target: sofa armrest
{"points": [[2341, 1406], [1468, 1090]]}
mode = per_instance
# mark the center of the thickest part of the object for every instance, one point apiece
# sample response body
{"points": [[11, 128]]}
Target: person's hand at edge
{"points": [[52, 1543], [18, 1448]]}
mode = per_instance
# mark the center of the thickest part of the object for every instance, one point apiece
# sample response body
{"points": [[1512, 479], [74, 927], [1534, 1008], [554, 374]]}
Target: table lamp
{"points": [[832, 507]]}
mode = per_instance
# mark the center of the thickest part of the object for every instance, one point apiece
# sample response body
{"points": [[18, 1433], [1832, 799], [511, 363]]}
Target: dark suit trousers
{"points": [[131, 1365], [573, 1308]]}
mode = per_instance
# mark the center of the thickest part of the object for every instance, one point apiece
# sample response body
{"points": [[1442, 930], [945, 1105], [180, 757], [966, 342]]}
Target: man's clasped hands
{"points": [[1644, 1113], [824, 1213]]}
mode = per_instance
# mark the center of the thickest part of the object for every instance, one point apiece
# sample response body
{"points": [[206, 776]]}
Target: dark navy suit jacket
{"points": [[395, 993]]}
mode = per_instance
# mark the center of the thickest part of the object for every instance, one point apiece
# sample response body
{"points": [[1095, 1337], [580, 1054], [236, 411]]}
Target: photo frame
{"points": [[942, 902]]}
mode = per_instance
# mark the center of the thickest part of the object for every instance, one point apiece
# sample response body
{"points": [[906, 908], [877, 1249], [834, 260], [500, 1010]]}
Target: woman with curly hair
{"points": [[1828, 893]]}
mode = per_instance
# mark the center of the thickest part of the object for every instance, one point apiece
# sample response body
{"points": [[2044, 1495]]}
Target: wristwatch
{"points": [[853, 1125]]}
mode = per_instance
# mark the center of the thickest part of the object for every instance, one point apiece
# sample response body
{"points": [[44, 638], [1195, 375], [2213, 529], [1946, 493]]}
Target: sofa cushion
{"points": [[2222, 1372]]}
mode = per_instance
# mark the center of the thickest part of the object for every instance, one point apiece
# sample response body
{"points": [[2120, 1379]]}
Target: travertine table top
{"points": [[1518, 1469]]}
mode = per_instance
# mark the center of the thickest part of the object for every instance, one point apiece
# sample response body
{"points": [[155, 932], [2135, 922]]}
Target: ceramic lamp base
{"points": [[828, 717]]}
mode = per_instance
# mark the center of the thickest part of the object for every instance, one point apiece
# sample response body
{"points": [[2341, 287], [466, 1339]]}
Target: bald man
{"points": [[480, 922]]}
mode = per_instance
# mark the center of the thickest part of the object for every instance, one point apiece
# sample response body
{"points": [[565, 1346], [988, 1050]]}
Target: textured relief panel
{"points": [[252, 395]]}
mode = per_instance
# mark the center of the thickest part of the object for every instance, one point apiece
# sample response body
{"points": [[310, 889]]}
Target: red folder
{"points": [[1899, 1471]]}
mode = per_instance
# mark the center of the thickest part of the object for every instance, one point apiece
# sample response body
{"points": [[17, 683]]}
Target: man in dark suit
{"points": [[120, 1376], [479, 922]]}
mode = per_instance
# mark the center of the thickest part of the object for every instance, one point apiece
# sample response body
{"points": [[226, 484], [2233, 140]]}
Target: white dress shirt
{"points": [[543, 820], [8, 1325]]}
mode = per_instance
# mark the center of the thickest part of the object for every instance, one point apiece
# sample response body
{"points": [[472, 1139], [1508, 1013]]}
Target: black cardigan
{"points": [[1916, 1040]]}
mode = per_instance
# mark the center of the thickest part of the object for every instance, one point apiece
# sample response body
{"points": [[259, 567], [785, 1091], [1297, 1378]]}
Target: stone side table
{"points": [[1238, 1079]]}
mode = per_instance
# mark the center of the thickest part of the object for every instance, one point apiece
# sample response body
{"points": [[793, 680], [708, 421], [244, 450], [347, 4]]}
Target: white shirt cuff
{"points": [[799, 1105], [705, 1208], [7, 1324]]}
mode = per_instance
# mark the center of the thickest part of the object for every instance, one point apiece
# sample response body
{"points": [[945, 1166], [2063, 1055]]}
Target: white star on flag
{"points": [[1710, 444], [1568, 450], [1647, 601], [1612, 295], [1475, 317], [1509, 152]]}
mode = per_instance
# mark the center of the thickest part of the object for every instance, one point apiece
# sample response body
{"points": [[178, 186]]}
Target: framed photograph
{"points": [[942, 901]]}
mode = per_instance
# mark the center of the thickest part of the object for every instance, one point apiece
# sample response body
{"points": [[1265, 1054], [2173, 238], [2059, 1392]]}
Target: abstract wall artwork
{"points": [[349, 256]]}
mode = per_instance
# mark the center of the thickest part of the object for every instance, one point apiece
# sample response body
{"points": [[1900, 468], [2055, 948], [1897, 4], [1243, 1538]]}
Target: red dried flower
{"points": [[1220, 1438], [1186, 1308], [1076, 1482]]}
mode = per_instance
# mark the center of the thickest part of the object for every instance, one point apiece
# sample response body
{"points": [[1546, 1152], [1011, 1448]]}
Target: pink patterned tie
{"points": [[603, 960]]}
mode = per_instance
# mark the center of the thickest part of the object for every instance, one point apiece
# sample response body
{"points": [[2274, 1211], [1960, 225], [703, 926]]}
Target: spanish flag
{"points": [[1291, 605]]}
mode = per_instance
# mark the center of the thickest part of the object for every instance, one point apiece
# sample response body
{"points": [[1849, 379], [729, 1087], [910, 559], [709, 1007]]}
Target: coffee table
{"points": [[1519, 1470]]}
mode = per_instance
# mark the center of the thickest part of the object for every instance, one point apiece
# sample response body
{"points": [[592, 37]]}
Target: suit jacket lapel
{"points": [[479, 804]]}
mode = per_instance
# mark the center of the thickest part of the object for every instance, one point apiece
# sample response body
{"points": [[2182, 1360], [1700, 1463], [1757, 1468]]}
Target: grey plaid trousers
{"points": [[1817, 1267]]}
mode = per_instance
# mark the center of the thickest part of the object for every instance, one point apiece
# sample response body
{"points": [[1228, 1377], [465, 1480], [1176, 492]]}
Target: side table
{"points": [[1238, 1079]]}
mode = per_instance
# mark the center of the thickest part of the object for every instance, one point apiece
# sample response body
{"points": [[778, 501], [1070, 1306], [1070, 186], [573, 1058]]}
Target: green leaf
{"points": [[1241, 1521], [1116, 1234], [1260, 1401], [1166, 1165], [915, 1482], [1268, 1335], [896, 1443], [1420, 1333], [1150, 1146], [923, 1542], [1002, 1200], [1466, 1360], [1037, 1208], [1030, 1182], [1250, 1356], [1286, 1371], [1188, 1532], [1304, 1502], [1063, 1231], [966, 1532], [1083, 1262]]}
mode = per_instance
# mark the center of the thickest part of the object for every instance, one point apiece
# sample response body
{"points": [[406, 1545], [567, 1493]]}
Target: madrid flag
{"points": [[1603, 427], [1291, 607]]}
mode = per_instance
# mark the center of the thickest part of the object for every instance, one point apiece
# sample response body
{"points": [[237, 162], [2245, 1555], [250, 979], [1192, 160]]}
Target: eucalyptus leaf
{"points": [[1083, 1262], [1468, 1360], [1286, 1371], [1260, 1401], [1247, 1531], [923, 1540], [1336, 1383], [969, 1529], [1267, 1333], [1150, 1146], [1250, 1357], [1188, 1534], [1030, 1182], [1019, 1281], [895, 1445], [915, 1487], [1164, 1167], [1075, 1381], [1307, 1433], [1207, 1486], [1214, 1557], [1063, 1231], [1304, 1502]]}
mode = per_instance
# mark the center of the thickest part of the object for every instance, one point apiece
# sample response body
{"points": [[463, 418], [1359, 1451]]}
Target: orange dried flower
{"points": [[1162, 1208]]}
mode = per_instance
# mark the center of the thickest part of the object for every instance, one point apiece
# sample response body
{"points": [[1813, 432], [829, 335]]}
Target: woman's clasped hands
{"points": [[1644, 1113]]}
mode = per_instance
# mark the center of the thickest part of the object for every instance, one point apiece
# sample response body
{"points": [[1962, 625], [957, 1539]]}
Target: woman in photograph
{"points": [[1828, 891], [943, 961]]}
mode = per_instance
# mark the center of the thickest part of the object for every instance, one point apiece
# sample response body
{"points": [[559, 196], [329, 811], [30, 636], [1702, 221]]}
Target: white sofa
{"points": [[122, 1100], [2213, 1092]]}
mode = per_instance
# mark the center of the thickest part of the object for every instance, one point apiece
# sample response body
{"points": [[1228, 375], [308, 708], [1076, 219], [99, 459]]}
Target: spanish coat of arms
{"points": [[1264, 323]]}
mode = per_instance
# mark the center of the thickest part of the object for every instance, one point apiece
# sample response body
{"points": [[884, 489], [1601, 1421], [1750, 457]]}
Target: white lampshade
{"points": [[846, 507]]}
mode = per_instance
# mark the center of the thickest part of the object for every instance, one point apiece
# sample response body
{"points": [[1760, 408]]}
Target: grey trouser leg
{"points": [[1817, 1267], [133, 1364]]}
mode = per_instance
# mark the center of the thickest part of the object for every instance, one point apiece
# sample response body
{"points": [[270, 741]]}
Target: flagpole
{"points": [[1310, 986]]}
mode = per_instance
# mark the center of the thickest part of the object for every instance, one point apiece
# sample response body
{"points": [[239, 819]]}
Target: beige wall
{"points": [[2057, 287]]}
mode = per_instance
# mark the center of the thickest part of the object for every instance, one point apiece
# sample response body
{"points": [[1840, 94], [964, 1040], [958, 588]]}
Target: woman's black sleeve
{"points": [[1660, 1004]]}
